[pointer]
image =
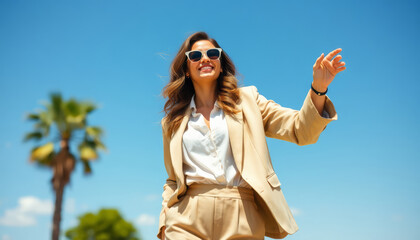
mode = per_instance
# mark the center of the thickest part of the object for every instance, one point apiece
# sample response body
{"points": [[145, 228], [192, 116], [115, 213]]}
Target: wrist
{"points": [[318, 90], [319, 87]]}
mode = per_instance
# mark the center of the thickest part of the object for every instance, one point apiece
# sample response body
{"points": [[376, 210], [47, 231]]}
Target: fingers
{"points": [[336, 59], [340, 69], [328, 65], [318, 61], [331, 54], [339, 64], [334, 66]]}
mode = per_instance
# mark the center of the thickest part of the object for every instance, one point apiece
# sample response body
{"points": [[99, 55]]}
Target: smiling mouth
{"points": [[206, 69]]}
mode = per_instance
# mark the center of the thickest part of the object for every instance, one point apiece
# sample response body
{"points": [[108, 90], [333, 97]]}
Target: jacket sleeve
{"points": [[170, 185], [302, 127]]}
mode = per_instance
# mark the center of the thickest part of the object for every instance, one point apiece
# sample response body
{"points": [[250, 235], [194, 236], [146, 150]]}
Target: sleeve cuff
{"points": [[329, 109], [328, 114]]}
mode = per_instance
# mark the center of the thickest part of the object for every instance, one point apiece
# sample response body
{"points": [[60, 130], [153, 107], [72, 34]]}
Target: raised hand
{"points": [[325, 69]]}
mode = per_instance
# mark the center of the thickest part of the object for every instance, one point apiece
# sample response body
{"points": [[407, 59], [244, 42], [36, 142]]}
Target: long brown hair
{"points": [[180, 89]]}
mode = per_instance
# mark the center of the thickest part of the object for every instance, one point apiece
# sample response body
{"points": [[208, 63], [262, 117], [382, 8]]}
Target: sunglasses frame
{"points": [[204, 52]]}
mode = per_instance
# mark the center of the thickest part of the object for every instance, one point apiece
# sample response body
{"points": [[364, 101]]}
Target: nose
{"points": [[205, 58]]}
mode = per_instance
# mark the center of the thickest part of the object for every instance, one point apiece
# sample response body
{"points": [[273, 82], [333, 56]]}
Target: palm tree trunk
{"points": [[57, 211], [63, 167]]}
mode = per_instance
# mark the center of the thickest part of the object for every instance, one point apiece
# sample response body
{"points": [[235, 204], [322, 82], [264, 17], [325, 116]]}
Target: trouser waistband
{"points": [[221, 191]]}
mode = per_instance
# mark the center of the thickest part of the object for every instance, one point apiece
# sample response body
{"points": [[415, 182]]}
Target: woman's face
{"points": [[205, 70]]}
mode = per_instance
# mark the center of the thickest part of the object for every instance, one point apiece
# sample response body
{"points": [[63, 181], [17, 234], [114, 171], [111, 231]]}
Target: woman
{"points": [[221, 183]]}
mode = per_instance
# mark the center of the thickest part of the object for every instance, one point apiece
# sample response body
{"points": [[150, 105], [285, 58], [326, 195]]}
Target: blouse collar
{"points": [[194, 108]]}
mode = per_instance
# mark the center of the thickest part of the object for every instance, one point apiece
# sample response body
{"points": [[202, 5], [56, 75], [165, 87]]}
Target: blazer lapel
{"points": [[236, 131], [176, 146]]}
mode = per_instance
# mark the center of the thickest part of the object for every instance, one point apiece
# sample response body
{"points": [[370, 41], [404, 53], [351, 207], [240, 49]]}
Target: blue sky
{"points": [[359, 181]]}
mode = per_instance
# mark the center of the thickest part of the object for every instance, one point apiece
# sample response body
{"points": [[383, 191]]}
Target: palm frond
{"points": [[37, 135], [75, 122], [88, 153], [56, 110], [47, 161], [43, 127], [32, 116], [87, 107], [72, 108], [94, 132], [41, 153], [86, 167], [100, 145], [45, 119], [56, 104]]}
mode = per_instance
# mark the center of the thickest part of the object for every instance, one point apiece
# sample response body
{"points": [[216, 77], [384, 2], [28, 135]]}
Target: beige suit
{"points": [[258, 118]]}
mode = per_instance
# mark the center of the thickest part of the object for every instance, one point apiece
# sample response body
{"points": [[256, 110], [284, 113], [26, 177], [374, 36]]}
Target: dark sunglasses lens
{"points": [[213, 54], [195, 56]]}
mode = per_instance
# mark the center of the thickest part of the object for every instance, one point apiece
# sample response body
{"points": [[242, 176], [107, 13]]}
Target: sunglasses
{"points": [[212, 54]]}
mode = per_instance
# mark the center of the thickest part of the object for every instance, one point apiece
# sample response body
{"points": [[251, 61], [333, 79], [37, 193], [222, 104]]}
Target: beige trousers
{"points": [[215, 212]]}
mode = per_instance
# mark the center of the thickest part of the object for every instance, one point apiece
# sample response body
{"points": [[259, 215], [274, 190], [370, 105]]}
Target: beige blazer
{"points": [[258, 118]]}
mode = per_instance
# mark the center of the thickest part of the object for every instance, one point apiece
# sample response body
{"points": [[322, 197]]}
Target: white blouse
{"points": [[207, 155]]}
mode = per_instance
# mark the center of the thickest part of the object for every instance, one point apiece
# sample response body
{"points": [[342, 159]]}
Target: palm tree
{"points": [[70, 125]]}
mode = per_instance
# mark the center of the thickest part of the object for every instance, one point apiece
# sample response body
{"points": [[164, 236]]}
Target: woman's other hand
{"points": [[325, 70]]}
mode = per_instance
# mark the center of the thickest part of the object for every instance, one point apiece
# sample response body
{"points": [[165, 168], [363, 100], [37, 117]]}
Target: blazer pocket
{"points": [[273, 180]]}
